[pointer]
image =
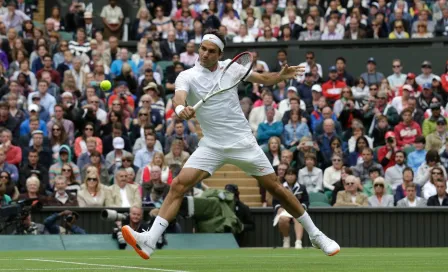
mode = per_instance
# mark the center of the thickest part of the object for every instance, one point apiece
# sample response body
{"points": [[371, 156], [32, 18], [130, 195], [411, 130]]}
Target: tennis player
{"points": [[227, 139]]}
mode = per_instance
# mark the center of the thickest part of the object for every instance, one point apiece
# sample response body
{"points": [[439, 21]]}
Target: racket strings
{"points": [[236, 71]]}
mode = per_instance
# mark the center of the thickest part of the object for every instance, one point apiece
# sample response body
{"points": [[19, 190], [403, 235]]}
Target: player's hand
{"points": [[187, 113], [290, 72]]}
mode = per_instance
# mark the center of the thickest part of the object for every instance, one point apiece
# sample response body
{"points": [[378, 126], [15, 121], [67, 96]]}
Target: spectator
{"points": [[171, 47], [380, 198], [10, 188], [267, 35], [13, 153], [80, 47], [423, 173], [416, 158], [422, 31], [310, 34], [33, 191], [355, 32], [332, 88], [310, 176], [426, 76], [350, 196], [96, 162], [189, 57], [430, 124], [372, 76], [258, 114], [61, 197], [231, 22], [295, 103], [65, 157], [80, 145], [399, 31], [269, 128], [294, 130], [190, 140], [144, 175], [332, 33], [407, 130], [394, 174], [341, 66], [380, 108], [441, 197], [15, 17], [283, 217], [112, 19], [355, 155], [332, 174], [411, 200], [397, 79], [145, 156], [177, 154], [10, 168], [429, 188], [114, 157], [94, 194], [155, 191], [441, 25], [437, 139], [123, 194], [117, 65], [361, 170], [401, 102]]}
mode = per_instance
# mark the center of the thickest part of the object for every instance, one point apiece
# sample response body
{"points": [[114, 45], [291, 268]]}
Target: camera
{"points": [[112, 215], [390, 140], [16, 213]]}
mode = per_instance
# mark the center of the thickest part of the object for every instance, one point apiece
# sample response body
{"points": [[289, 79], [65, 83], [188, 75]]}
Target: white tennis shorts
{"points": [[246, 154]]}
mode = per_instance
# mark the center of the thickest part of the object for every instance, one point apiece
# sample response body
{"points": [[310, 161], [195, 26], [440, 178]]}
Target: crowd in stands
{"points": [[361, 138]]}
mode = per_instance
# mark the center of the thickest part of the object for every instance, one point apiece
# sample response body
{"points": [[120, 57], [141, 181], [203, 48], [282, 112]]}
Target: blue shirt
{"points": [[117, 64], [143, 157], [266, 131], [36, 65], [290, 134], [25, 127], [47, 101], [416, 158]]}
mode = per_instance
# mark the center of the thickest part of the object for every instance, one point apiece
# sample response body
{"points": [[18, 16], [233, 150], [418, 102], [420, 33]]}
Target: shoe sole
{"points": [[334, 253], [129, 238]]}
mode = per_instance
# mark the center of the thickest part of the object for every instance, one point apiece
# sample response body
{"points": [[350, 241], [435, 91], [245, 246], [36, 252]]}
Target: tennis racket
{"points": [[237, 70]]}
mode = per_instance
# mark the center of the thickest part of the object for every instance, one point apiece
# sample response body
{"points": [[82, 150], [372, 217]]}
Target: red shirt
{"points": [[55, 76], [382, 152], [14, 155], [406, 134], [332, 89]]}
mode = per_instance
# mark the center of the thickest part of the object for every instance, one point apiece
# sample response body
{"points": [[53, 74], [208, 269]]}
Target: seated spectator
{"points": [[177, 155], [25, 126], [440, 28], [61, 197], [347, 109], [304, 146], [358, 132], [258, 114], [283, 217], [355, 32], [58, 138], [140, 141], [96, 160], [386, 154], [310, 176], [84, 159], [13, 153], [426, 76], [72, 184], [294, 130], [322, 114], [269, 128], [94, 194], [65, 157], [355, 157], [429, 188], [417, 157], [80, 145], [123, 194], [350, 196], [285, 103], [423, 172], [155, 191], [394, 174], [333, 87], [310, 34], [367, 187], [361, 170], [118, 130], [243, 36], [145, 156], [411, 200], [80, 46], [371, 76], [407, 130], [190, 140], [381, 107], [189, 57], [144, 174], [422, 31], [399, 31], [295, 103], [10, 168], [380, 198], [10, 188], [332, 174], [332, 33], [437, 139], [441, 197], [32, 191], [171, 46], [430, 124], [114, 157], [400, 190], [274, 151]]}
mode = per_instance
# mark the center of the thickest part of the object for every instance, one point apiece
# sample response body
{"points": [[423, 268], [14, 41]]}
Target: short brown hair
{"points": [[411, 185], [311, 156], [406, 110]]}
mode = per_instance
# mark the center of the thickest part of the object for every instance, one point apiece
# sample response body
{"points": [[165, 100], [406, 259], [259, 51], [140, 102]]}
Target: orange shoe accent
{"points": [[332, 254], [129, 238]]}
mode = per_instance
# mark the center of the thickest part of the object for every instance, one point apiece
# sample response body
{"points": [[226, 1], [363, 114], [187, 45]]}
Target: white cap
{"points": [[118, 143], [436, 77], [67, 94], [408, 87], [292, 88], [316, 88], [33, 107]]}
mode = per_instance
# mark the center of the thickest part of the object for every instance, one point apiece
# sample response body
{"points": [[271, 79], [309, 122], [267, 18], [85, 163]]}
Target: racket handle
{"points": [[199, 104]]}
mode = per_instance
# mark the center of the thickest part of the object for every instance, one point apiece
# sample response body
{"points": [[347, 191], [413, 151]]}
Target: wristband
{"points": [[179, 109]]}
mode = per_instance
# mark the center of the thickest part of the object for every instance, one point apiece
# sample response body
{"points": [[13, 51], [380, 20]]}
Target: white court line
{"points": [[55, 269], [106, 265]]}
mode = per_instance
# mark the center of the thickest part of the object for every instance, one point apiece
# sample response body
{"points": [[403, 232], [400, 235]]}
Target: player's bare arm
{"points": [[183, 112], [269, 79]]}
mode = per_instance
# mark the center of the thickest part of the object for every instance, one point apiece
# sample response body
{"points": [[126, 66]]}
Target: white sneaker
{"points": [[286, 242], [298, 244], [138, 241], [328, 246]]}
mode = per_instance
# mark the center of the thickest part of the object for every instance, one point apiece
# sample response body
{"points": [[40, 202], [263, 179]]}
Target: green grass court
{"points": [[272, 260]]}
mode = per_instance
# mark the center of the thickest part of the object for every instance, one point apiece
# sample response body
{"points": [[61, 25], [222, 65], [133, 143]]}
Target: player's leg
{"points": [[283, 227], [298, 229], [290, 203], [145, 243]]}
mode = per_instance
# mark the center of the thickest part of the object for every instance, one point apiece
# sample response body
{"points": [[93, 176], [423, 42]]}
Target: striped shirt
{"points": [[78, 49]]}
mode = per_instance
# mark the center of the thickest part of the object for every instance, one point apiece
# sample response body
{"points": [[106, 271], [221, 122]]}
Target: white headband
{"points": [[214, 39]]}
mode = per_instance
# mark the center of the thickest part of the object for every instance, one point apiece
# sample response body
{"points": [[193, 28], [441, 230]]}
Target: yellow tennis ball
{"points": [[105, 85]]}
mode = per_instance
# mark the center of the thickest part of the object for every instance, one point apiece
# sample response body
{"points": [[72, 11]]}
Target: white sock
{"points": [[157, 229], [308, 224]]}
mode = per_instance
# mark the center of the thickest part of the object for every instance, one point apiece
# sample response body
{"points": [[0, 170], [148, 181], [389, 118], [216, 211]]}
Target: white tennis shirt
{"points": [[221, 118]]}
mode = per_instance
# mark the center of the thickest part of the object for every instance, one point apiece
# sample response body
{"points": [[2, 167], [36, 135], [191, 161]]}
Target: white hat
{"points": [[316, 88], [118, 143], [33, 107], [67, 94], [292, 88], [88, 15], [408, 87]]}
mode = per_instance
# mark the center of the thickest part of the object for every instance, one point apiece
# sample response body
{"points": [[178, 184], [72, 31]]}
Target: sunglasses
{"points": [[56, 129], [66, 170], [143, 114], [336, 160], [145, 101], [373, 89], [379, 185], [96, 102], [4, 177], [437, 173], [92, 179], [36, 98], [127, 160], [116, 104], [349, 183], [91, 129], [396, 66]]}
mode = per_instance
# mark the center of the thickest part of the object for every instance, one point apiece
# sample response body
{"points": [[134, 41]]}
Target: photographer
{"points": [[386, 154], [28, 227], [68, 220]]}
